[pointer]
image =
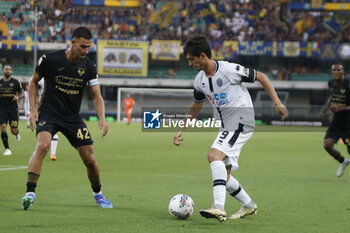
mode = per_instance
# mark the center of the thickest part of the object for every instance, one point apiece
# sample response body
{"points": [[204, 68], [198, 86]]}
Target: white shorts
{"points": [[231, 143]]}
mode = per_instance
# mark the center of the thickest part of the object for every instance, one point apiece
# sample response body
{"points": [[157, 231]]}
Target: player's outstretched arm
{"points": [[20, 94], [100, 108], [192, 113], [21, 101], [267, 85], [33, 96], [177, 140], [326, 107], [336, 108]]}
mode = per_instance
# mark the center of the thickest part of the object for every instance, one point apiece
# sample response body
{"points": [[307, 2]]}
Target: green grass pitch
{"points": [[288, 174]]}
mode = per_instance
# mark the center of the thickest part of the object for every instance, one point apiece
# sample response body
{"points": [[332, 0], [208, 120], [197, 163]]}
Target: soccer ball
{"points": [[181, 206]]}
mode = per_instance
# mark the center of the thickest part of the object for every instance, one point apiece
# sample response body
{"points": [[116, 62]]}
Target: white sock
{"points": [[95, 194], [33, 193], [236, 190], [54, 143], [219, 173]]}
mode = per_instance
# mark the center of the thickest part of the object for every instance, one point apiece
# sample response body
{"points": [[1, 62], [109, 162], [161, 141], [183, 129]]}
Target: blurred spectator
{"points": [[172, 73], [243, 20], [274, 73], [283, 75]]}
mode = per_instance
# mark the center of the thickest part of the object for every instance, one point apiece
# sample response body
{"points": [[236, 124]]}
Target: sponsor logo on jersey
{"points": [[210, 99], [219, 99]]}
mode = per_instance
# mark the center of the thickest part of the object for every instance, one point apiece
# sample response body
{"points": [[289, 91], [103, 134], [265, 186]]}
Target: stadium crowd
{"points": [[242, 20]]}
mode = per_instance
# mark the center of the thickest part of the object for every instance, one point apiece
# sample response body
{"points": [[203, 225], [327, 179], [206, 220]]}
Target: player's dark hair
{"points": [[3, 66], [82, 32], [338, 63], [196, 44]]}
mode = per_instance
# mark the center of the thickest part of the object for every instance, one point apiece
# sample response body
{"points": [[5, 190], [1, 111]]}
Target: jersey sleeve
{"points": [[93, 76], [19, 87], [42, 66], [330, 84], [239, 73], [198, 94]]}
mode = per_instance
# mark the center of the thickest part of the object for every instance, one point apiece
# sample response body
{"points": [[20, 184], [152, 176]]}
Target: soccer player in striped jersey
{"points": [[221, 83]]}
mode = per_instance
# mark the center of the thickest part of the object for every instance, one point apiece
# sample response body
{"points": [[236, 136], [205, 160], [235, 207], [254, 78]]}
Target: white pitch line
{"points": [[13, 168]]}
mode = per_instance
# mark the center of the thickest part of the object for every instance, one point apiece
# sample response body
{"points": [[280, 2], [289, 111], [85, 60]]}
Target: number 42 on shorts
{"points": [[83, 134]]}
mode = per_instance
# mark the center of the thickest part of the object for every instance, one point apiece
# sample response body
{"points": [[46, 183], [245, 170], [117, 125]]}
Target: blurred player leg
{"points": [[219, 183], [34, 168], [28, 125], [128, 115], [15, 131], [236, 191], [4, 139], [86, 154], [219, 175], [54, 143], [342, 167], [330, 148]]}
